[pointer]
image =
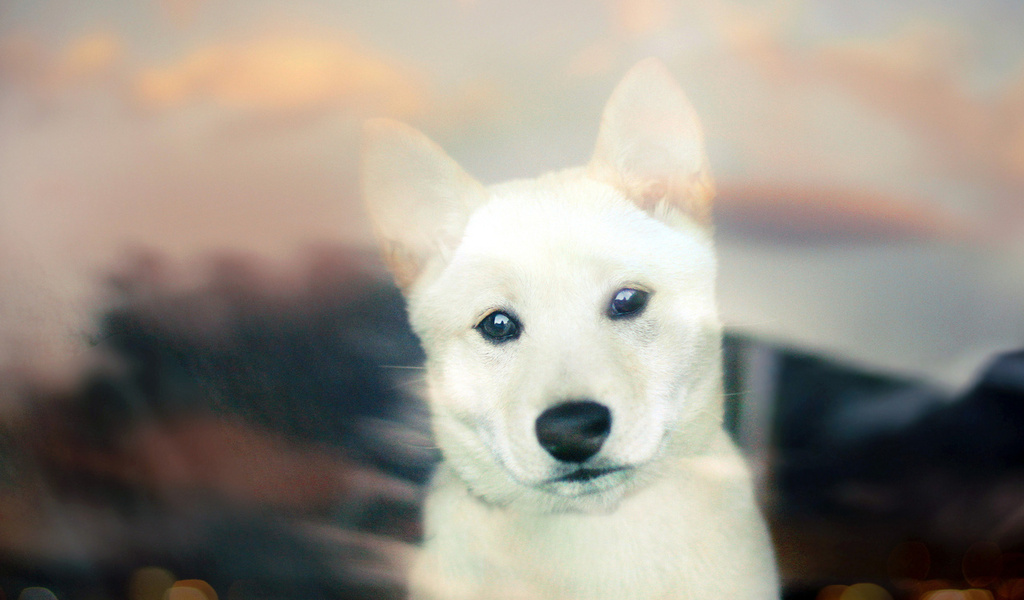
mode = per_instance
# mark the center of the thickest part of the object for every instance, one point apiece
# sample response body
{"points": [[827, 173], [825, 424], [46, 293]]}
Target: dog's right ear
{"points": [[418, 198]]}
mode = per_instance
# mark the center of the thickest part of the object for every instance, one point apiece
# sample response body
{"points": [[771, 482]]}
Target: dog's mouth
{"points": [[584, 482], [585, 475]]}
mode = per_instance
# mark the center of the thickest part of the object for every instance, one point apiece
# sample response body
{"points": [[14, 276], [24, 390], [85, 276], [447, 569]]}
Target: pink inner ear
{"points": [[653, 193], [403, 266]]}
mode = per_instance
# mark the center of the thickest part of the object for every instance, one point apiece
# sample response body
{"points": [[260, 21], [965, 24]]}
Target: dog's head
{"points": [[569, 321]]}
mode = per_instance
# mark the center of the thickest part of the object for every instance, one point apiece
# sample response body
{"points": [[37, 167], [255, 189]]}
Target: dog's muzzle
{"points": [[574, 431]]}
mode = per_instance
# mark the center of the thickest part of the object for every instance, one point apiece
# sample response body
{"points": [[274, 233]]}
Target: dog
{"points": [[573, 366]]}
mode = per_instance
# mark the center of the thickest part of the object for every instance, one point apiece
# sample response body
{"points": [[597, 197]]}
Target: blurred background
{"points": [[207, 388]]}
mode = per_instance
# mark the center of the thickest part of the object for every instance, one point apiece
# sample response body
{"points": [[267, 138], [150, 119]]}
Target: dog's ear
{"points": [[418, 198], [651, 148]]}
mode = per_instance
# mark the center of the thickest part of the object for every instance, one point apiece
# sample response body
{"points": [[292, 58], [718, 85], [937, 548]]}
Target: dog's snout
{"points": [[574, 431]]}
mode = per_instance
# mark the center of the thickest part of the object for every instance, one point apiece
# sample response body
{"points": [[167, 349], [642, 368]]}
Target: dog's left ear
{"points": [[417, 197], [651, 148]]}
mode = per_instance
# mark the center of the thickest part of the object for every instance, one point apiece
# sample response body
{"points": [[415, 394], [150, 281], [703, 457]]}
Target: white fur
{"points": [[679, 520]]}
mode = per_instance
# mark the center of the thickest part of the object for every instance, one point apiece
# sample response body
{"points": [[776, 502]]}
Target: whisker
{"points": [[412, 382]]}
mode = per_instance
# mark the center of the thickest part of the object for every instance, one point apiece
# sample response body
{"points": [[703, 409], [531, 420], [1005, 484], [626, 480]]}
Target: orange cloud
{"points": [[638, 18], [93, 57], [913, 77], [1009, 114], [181, 12], [284, 74], [89, 58]]}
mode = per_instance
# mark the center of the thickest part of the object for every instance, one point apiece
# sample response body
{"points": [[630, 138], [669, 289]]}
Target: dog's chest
{"points": [[595, 556], [645, 549]]}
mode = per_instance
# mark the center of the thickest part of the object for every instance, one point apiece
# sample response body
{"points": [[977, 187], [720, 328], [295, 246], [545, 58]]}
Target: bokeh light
{"points": [[982, 564], [149, 583], [37, 593], [191, 589], [909, 560], [865, 591]]}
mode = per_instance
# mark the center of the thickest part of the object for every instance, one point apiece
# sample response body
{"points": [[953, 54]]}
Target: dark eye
{"points": [[627, 302], [499, 327]]}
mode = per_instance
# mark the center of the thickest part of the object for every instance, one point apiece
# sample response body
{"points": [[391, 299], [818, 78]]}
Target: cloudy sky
{"points": [[869, 155]]}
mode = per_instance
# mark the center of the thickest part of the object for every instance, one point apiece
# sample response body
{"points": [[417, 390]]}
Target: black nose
{"points": [[574, 431]]}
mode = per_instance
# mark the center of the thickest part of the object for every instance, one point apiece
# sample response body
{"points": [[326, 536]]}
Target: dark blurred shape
{"points": [[865, 466], [259, 432], [856, 442], [305, 362]]}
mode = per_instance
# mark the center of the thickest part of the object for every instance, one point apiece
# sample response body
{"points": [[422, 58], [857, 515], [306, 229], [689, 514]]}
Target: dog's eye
{"points": [[499, 327], [627, 302]]}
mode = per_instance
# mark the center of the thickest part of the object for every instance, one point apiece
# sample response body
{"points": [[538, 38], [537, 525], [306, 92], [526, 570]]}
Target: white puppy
{"points": [[573, 366]]}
